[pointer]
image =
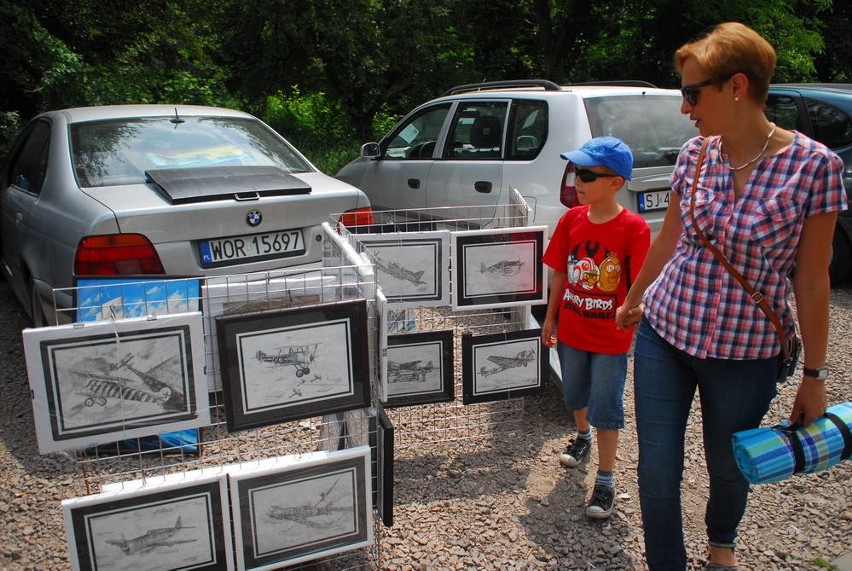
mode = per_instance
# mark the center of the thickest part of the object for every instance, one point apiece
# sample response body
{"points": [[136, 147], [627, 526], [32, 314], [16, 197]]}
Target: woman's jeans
{"points": [[734, 396]]}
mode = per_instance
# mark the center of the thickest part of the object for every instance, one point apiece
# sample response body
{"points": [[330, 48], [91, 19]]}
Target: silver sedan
{"points": [[142, 190]]}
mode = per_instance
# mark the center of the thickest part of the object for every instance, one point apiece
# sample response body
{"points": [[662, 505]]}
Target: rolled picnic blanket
{"points": [[772, 454]]}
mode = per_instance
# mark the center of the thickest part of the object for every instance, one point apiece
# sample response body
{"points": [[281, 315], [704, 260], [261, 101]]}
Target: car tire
{"points": [[840, 269], [37, 317]]}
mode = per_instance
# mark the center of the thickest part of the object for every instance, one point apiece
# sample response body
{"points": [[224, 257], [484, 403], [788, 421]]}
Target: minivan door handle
{"points": [[414, 183], [482, 186]]}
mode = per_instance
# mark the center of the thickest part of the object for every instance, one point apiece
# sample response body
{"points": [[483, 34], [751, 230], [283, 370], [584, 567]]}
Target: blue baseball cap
{"points": [[607, 151]]}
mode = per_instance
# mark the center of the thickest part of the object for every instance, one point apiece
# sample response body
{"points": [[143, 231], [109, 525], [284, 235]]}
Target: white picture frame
{"points": [[301, 510], [101, 382]]}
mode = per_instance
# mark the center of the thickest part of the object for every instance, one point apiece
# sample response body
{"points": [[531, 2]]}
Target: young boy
{"points": [[596, 251]]}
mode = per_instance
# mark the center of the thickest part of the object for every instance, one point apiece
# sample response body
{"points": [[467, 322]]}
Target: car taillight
{"points": [[568, 192], [356, 217], [116, 254]]}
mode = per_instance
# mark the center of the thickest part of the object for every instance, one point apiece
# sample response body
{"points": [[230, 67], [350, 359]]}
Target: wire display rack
{"points": [[344, 275], [416, 426]]}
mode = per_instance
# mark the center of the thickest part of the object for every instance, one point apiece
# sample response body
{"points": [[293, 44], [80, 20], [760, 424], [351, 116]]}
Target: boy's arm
{"points": [[548, 328]]}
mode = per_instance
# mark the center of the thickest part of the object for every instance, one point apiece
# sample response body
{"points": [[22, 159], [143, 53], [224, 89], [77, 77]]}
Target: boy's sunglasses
{"points": [[587, 175]]}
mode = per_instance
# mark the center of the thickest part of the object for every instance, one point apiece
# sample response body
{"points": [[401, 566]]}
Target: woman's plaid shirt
{"points": [[695, 304]]}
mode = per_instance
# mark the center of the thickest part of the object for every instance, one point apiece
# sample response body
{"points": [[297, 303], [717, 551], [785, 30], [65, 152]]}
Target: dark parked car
{"points": [[140, 190], [823, 111]]}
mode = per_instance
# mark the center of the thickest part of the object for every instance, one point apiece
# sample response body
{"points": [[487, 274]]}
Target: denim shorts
{"points": [[596, 381]]}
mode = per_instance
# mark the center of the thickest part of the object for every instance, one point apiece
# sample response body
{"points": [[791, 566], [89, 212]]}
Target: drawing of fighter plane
{"points": [[305, 513], [401, 273], [153, 538], [99, 388], [409, 371], [175, 399], [298, 356], [505, 267], [502, 363]]}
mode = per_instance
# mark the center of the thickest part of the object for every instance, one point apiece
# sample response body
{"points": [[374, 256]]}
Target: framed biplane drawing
{"points": [[180, 525], [113, 298], [104, 381], [419, 368], [302, 510], [498, 268], [412, 268], [294, 363], [503, 365], [253, 293]]}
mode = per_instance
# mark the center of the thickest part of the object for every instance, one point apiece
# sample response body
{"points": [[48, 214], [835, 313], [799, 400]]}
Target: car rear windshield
{"points": [[119, 152], [652, 125]]}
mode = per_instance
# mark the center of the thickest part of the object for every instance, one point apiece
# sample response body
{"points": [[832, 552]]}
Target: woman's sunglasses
{"points": [[587, 175], [690, 92]]}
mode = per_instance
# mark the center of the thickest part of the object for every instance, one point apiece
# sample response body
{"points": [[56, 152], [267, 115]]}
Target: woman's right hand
{"points": [[628, 315]]}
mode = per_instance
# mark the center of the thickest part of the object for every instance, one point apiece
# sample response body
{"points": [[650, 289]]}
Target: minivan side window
{"points": [[30, 165], [416, 137], [527, 129], [784, 112], [832, 127], [476, 132]]}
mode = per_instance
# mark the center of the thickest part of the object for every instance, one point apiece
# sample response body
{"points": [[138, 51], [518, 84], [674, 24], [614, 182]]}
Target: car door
{"points": [[469, 171], [23, 179], [397, 179]]}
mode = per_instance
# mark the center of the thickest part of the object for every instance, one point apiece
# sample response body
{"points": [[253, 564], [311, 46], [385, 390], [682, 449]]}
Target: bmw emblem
{"points": [[254, 218]]}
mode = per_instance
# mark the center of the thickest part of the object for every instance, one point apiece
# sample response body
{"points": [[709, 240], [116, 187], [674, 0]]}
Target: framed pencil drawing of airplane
{"points": [[419, 368], [498, 268], [503, 365], [294, 363], [100, 382], [303, 510], [183, 524], [412, 268]]}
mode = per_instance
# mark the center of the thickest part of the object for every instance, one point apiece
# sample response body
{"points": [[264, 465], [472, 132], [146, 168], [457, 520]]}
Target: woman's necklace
{"points": [[760, 154]]}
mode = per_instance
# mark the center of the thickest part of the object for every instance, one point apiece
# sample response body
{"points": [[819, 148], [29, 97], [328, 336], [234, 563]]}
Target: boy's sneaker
{"points": [[576, 452], [600, 506]]}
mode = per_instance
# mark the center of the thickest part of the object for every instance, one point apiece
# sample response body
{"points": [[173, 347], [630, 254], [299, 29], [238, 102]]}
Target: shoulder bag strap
{"points": [[755, 295]]}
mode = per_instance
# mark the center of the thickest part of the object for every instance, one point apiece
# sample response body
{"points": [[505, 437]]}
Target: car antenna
{"points": [[177, 120]]}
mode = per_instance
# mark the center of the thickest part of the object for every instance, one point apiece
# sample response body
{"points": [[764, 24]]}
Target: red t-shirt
{"points": [[600, 262]]}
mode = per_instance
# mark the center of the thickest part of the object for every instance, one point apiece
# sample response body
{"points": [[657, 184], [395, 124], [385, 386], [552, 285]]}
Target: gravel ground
{"points": [[498, 501]]}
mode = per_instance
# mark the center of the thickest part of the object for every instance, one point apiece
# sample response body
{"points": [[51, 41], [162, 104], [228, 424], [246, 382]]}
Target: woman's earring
{"points": [[737, 98]]}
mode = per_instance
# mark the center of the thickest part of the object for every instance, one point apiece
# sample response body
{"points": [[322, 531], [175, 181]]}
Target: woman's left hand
{"points": [[810, 402]]}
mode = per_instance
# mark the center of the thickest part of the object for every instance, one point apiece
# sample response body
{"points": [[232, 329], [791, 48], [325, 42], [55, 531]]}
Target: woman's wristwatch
{"points": [[819, 374]]}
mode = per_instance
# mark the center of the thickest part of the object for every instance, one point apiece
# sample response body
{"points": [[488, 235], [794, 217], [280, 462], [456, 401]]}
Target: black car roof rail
{"points": [[618, 82], [544, 83]]}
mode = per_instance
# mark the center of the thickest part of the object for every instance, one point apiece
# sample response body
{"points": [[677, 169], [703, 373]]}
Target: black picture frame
{"points": [[500, 366], [179, 525], [294, 363], [420, 369], [101, 382], [301, 510], [498, 268], [384, 466]]}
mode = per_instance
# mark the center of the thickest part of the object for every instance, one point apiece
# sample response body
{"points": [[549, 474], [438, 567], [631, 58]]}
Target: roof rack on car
{"points": [[544, 83], [619, 82]]}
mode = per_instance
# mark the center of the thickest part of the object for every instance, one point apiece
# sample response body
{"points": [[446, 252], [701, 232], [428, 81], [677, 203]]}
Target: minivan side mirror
{"points": [[370, 150]]}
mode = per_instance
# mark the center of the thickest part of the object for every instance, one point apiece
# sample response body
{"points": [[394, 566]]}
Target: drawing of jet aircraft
{"points": [[505, 267], [401, 273], [502, 363], [305, 513], [153, 538], [298, 356], [409, 371]]}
